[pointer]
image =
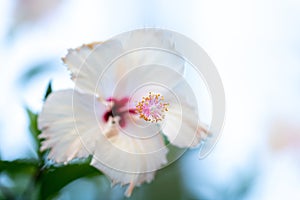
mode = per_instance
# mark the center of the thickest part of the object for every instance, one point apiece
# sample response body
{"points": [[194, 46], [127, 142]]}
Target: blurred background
{"points": [[255, 46]]}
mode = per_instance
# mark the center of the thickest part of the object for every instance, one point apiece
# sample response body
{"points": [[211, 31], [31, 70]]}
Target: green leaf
{"points": [[33, 127], [21, 173], [35, 71], [48, 91], [168, 184], [18, 166], [166, 140], [55, 178]]}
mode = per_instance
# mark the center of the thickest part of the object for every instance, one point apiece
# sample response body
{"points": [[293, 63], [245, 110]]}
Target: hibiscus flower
{"points": [[129, 92]]}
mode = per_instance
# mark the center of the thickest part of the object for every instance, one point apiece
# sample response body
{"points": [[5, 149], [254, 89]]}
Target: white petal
{"points": [[128, 160], [87, 64], [139, 79], [148, 56], [182, 125], [69, 123], [147, 38]]}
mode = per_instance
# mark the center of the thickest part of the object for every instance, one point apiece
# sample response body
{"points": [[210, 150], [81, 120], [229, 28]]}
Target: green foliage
{"points": [[18, 166], [167, 185], [54, 179], [48, 91], [20, 172], [166, 140], [33, 127], [35, 71]]}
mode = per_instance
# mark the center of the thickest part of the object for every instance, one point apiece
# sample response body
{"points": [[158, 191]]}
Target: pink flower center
{"points": [[152, 108], [119, 108]]}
